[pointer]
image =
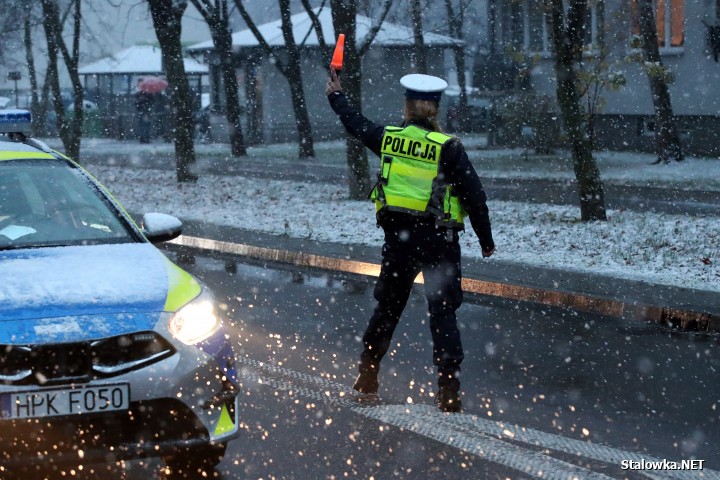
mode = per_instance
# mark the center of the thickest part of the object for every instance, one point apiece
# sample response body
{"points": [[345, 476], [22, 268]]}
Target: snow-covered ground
{"points": [[664, 249]]}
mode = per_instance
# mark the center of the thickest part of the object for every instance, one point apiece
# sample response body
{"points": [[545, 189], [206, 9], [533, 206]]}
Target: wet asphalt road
{"points": [[543, 388]]}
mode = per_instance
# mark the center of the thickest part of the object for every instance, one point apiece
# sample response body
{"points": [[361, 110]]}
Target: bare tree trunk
{"points": [[39, 114], [70, 128], [420, 51], [492, 125], [72, 63], [344, 21], [291, 71], [232, 99], [302, 119], [254, 120], [167, 16], [216, 16], [45, 93], [52, 79], [568, 42], [456, 20], [667, 139]]}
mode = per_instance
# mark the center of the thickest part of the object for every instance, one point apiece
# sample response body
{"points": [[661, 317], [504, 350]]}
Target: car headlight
{"points": [[196, 321]]}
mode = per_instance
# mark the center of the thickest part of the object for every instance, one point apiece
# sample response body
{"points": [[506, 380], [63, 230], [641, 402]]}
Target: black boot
{"points": [[448, 400], [448, 397], [367, 381]]}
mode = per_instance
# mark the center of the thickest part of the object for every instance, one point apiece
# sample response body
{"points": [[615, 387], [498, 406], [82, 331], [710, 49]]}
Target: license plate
{"points": [[65, 401]]}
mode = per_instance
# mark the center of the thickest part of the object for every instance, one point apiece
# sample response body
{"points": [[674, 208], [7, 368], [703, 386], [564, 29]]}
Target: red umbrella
{"points": [[152, 85]]}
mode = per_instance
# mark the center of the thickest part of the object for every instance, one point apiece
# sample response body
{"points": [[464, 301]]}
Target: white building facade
{"points": [[388, 59]]}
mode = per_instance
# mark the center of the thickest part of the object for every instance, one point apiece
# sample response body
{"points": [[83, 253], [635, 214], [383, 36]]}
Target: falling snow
{"points": [[674, 250]]}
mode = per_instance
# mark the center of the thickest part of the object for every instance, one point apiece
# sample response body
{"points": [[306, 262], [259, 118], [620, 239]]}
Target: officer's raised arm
{"points": [[365, 130]]}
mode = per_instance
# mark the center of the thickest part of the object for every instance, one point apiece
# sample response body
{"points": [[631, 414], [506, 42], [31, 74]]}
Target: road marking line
{"points": [[564, 444], [486, 439], [491, 449]]}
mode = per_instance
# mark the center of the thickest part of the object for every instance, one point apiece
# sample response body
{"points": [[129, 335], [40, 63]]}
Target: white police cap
{"points": [[424, 87]]}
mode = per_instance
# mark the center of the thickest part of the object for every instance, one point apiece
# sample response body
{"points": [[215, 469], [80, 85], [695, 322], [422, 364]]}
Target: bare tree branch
{"points": [[318, 29], [375, 28], [261, 40]]}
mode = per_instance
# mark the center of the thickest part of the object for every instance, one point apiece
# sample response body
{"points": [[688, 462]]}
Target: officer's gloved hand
{"points": [[333, 84]]}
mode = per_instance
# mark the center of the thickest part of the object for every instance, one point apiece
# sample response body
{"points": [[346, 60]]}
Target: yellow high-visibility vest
{"points": [[407, 181]]}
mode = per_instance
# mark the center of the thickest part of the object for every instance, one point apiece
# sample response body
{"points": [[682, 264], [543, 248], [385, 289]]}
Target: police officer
{"points": [[426, 185]]}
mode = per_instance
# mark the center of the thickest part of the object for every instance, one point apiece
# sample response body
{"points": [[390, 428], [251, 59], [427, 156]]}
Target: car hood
{"points": [[108, 288]]}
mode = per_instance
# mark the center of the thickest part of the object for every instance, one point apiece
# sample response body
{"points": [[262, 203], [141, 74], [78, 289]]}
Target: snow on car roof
{"points": [[8, 146], [94, 276]]}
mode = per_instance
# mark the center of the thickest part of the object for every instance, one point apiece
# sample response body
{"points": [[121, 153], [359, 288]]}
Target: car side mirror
{"points": [[159, 227]]}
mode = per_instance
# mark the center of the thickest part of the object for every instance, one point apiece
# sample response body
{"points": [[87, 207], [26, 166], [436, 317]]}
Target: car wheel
{"points": [[190, 460]]}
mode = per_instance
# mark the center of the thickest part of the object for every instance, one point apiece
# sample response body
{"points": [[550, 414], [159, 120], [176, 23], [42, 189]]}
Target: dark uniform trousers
{"points": [[408, 250]]}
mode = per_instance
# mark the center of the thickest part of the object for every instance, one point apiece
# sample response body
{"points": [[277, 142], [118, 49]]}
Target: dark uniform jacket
{"points": [[454, 165]]}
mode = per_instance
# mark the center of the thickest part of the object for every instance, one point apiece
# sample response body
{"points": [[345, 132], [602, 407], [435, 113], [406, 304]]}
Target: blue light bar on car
{"points": [[15, 121]]}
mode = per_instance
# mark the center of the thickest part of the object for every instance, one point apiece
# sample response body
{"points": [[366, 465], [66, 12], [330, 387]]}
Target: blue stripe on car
{"points": [[76, 328], [219, 348]]}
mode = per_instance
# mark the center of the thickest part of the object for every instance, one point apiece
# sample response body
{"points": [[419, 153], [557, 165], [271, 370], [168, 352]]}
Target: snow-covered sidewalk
{"points": [[663, 249]]}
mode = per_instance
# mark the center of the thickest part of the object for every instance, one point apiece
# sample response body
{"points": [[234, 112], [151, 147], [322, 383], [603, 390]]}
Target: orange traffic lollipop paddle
{"points": [[337, 58]]}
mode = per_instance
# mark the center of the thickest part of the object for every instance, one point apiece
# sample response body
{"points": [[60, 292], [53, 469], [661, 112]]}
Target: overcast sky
{"points": [[112, 25]]}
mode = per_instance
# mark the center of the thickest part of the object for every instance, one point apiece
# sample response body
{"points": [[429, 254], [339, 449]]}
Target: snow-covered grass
{"points": [[615, 167], [664, 249]]}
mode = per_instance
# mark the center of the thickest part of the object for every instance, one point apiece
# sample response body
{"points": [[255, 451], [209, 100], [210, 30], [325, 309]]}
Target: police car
{"points": [[107, 349]]}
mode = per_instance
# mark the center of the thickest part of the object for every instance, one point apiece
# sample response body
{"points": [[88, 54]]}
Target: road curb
{"points": [[686, 320]]}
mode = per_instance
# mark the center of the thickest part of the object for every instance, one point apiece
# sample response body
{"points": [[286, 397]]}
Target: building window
{"points": [[511, 24], [669, 22], [535, 29], [523, 25]]}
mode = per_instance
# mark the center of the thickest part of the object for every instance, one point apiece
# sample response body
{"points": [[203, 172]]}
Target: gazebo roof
{"points": [[140, 59], [390, 34]]}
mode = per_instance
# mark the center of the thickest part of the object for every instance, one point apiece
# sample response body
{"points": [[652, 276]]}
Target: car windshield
{"points": [[48, 202]]}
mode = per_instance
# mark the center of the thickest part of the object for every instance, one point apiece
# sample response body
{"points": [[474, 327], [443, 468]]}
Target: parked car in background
{"points": [[108, 350], [88, 106], [479, 113]]}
